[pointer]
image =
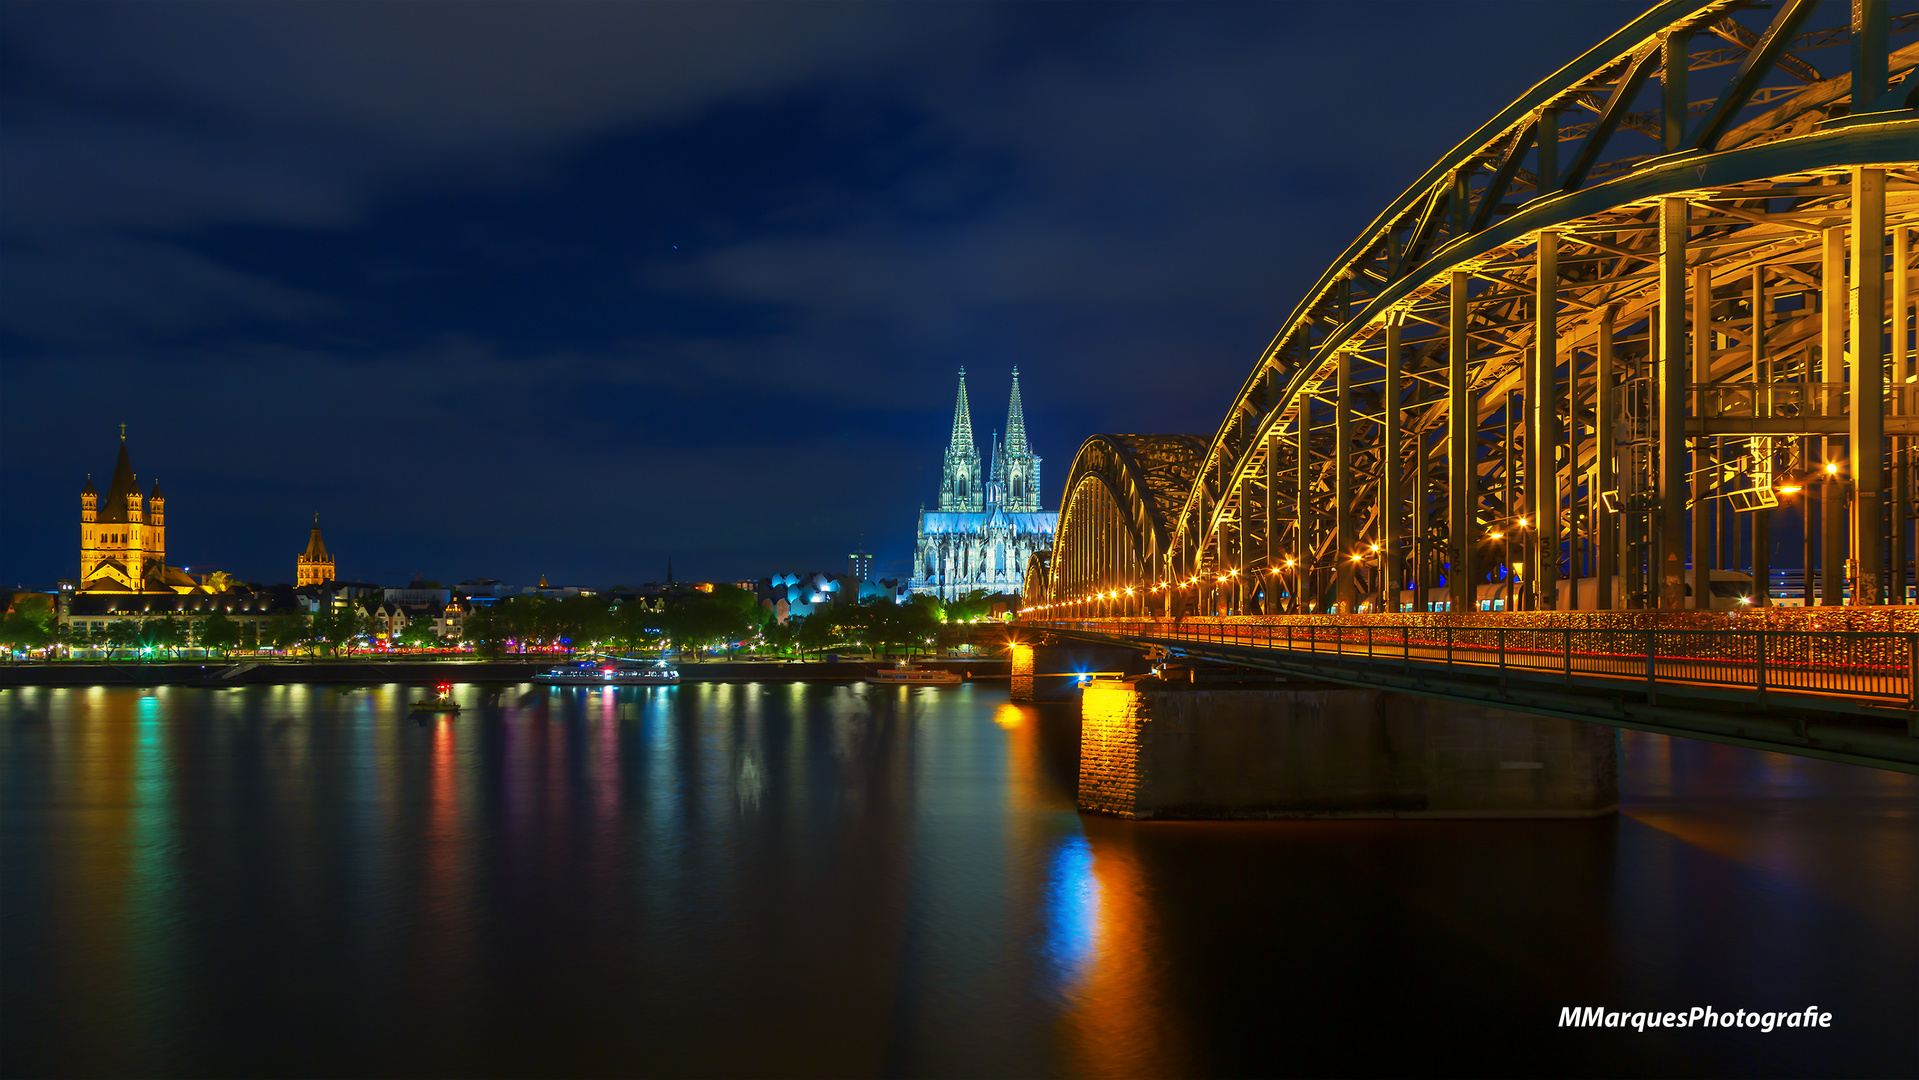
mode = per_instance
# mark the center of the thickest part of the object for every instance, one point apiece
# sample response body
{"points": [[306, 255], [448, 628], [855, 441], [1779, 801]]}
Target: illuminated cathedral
{"points": [[983, 533], [123, 536]]}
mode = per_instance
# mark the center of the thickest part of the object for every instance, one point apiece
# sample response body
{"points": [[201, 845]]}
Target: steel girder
{"points": [[1440, 303], [1120, 494]]}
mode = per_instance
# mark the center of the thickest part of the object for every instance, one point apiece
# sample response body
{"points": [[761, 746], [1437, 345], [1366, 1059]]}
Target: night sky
{"points": [[507, 290]]}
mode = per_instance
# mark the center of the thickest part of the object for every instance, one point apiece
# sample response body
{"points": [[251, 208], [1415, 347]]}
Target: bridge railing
{"points": [[1875, 667]]}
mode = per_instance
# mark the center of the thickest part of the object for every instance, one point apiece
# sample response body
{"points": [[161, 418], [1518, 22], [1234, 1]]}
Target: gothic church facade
{"points": [[983, 532]]}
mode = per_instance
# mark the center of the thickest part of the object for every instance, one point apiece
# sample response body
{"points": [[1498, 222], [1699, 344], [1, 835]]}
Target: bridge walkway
{"points": [[1839, 695]]}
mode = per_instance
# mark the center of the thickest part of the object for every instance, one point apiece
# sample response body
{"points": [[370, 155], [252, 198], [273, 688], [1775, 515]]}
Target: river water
{"points": [[798, 880]]}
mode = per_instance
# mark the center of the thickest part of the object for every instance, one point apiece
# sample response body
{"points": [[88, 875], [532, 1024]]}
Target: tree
{"points": [[419, 634], [725, 616], [817, 632], [164, 635], [286, 631], [336, 629], [482, 630], [780, 636], [978, 604], [23, 632], [123, 634], [219, 633]]}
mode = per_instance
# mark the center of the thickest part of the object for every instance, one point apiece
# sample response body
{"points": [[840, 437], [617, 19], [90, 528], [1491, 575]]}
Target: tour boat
{"points": [[913, 675], [610, 673], [441, 701]]}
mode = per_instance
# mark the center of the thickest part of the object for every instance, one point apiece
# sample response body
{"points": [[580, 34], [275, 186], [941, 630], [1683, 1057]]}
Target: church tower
{"points": [[315, 566], [1021, 490], [156, 531], [960, 484], [89, 529], [116, 540]]}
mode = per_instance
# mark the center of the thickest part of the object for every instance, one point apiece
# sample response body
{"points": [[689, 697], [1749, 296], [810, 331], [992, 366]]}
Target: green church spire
{"points": [[960, 485]]}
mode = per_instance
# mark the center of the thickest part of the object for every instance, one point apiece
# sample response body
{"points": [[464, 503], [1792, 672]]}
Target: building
{"points": [[123, 537], [334, 595], [451, 623], [90, 616], [421, 596], [859, 565], [315, 566], [983, 533]]}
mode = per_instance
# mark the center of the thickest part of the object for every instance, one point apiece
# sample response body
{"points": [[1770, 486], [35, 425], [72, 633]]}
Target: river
{"points": [[828, 880]]}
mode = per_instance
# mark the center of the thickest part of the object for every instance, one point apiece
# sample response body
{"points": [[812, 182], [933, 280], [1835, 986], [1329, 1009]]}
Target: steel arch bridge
{"points": [[1658, 303]]}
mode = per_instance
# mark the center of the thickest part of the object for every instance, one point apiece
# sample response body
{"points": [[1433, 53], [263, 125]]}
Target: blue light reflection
{"points": [[1071, 936]]}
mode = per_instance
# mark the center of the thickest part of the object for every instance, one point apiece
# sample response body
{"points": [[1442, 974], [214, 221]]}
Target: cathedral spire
{"points": [[1016, 422], [960, 488], [962, 442], [1021, 479]]}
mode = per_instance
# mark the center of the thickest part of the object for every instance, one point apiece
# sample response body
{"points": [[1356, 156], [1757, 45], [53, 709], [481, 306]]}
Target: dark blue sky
{"points": [[508, 290]]}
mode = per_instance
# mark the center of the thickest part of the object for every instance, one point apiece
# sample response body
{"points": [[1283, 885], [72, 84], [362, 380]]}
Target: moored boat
{"points": [[610, 673], [913, 675]]}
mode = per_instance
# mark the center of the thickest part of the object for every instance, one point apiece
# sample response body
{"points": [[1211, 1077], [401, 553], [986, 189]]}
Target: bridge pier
{"points": [[1163, 749], [1054, 672]]}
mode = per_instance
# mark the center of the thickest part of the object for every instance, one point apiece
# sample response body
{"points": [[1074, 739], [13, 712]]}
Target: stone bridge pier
{"points": [[1202, 742]]}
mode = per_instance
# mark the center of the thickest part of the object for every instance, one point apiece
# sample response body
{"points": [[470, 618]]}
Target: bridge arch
{"points": [[1614, 316], [1113, 524]]}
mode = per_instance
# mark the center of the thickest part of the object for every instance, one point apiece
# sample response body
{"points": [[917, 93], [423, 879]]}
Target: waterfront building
{"points": [[89, 615], [385, 618], [983, 533], [315, 565], [451, 622]]}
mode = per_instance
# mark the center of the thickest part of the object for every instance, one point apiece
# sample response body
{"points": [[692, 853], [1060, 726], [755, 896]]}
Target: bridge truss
{"points": [[1654, 305]]}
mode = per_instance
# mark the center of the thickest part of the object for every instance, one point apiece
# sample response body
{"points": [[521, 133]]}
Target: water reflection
{"points": [[1072, 912], [832, 879]]}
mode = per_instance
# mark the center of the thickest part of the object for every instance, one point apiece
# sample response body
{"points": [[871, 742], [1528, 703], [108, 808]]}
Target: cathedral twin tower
{"points": [[983, 534], [1014, 482]]}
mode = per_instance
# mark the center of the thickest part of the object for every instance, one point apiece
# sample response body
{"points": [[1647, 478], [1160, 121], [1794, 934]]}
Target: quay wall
{"points": [[353, 672]]}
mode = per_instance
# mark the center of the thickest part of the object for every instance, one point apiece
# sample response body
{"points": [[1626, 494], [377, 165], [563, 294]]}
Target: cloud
{"points": [[100, 288], [704, 270]]}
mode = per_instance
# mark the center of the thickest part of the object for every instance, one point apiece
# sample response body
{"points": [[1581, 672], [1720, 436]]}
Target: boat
{"points": [[610, 672], [913, 675], [441, 701]]}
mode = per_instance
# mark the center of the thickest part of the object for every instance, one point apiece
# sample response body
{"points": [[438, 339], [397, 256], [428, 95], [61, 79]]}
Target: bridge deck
{"points": [[1844, 695]]}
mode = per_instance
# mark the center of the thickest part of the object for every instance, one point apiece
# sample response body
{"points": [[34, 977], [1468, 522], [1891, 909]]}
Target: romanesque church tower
{"points": [[123, 545]]}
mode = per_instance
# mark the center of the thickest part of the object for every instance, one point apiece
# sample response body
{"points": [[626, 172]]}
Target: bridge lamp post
{"points": [[1379, 582], [1505, 556], [1359, 563], [1515, 592]]}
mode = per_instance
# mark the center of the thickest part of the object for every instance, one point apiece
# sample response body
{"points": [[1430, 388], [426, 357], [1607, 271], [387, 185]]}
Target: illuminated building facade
{"points": [[982, 534], [123, 537], [315, 566]]}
